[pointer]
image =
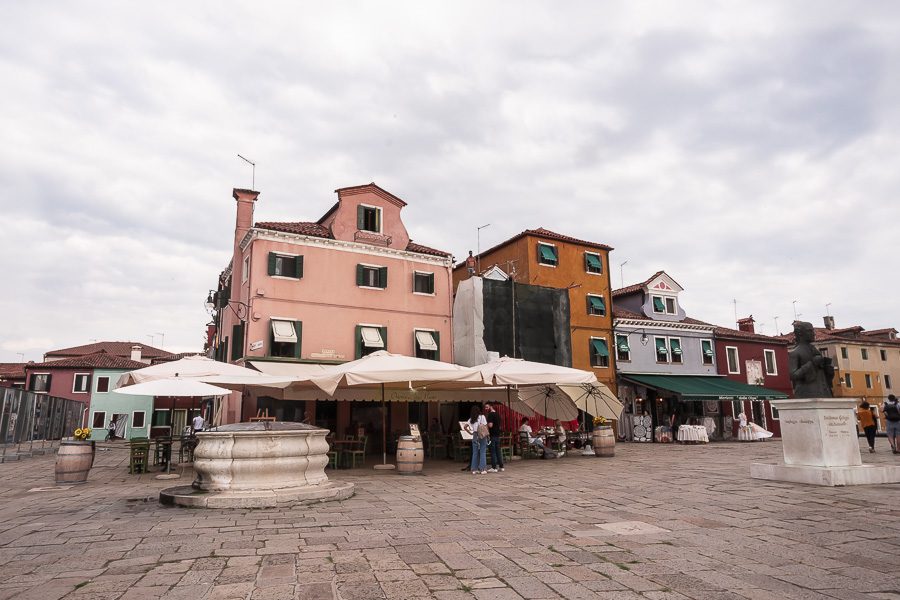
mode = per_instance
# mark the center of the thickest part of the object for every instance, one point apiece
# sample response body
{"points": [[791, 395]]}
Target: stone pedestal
{"points": [[255, 465], [821, 446]]}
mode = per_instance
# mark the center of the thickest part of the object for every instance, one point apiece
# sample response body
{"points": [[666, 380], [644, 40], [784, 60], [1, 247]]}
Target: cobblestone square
{"points": [[678, 522]]}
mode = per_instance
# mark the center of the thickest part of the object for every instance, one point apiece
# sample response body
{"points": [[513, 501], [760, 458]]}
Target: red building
{"points": [[71, 378], [12, 375], [749, 357]]}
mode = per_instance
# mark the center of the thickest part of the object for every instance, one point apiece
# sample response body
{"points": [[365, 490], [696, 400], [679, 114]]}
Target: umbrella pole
{"points": [[384, 464]]}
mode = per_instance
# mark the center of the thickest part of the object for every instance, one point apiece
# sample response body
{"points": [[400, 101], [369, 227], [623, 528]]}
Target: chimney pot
{"points": [[747, 324], [136, 353], [829, 322]]}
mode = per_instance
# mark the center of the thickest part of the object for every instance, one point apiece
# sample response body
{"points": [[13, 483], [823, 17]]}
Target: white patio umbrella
{"points": [[550, 401], [516, 371], [175, 386], [396, 371], [190, 366], [594, 399]]}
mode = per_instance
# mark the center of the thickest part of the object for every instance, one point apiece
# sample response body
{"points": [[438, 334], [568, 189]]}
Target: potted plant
{"points": [[603, 438], [75, 457]]}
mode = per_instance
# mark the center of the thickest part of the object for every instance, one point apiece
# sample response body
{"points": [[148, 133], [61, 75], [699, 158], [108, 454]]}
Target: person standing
{"points": [[891, 410], [477, 426], [197, 424], [867, 422], [493, 422], [111, 429]]}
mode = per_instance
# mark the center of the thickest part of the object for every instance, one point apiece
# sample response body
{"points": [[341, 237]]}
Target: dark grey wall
{"points": [[541, 322]]}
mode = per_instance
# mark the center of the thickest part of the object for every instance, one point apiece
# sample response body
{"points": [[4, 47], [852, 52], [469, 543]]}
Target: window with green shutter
{"points": [[237, 341], [369, 339], [593, 263], [547, 255], [285, 338], [658, 304], [675, 347], [368, 218], [599, 352], [623, 350], [707, 351], [427, 344], [596, 306], [285, 265], [371, 276], [423, 283], [662, 353]]}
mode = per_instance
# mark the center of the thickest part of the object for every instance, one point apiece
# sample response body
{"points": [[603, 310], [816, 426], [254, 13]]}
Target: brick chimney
{"points": [[829, 322], [136, 353], [746, 324], [246, 200]]}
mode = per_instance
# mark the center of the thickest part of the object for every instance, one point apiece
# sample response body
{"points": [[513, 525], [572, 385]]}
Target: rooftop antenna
{"points": [[828, 309], [478, 234], [162, 337], [622, 273], [21, 356], [796, 314], [253, 165], [777, 331], [735, 311]]}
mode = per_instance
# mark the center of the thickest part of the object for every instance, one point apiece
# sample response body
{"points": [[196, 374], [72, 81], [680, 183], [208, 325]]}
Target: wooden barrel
{"points": [[73, 461], [410, 455], [604, 441]]}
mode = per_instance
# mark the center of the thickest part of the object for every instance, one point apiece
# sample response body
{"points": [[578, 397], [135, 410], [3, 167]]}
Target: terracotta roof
{"points": [[727, 332], [372, 187], [12, 370], [847, 334], [878, 332], [98, 360], [542, 233], [315, 230], [122, 349], [634, 287], [299, 227]]}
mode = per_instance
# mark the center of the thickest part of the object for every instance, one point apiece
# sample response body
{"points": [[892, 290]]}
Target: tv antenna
{"points": [[253, 167]]}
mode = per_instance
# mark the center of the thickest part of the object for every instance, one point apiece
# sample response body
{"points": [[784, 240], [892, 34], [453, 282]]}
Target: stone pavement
{"points": [[677, 522]]}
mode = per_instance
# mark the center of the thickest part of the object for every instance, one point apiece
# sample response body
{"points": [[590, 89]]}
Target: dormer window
{"points": [[664, 306], [368, 218]]}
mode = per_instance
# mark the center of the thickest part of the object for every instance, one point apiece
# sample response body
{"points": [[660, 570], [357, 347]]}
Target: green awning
{"points": [[599, 347], [676, 347], [702, 387], [658, 305], [597, 303], [593, 262], [548, 253], [707, 348], [661, 346], [622, 343]]}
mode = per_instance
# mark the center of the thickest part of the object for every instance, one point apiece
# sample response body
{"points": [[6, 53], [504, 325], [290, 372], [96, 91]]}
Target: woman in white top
{"points": [[477, 426]]}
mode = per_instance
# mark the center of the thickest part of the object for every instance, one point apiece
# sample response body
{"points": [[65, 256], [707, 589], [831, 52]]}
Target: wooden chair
{"points": [[506, 446], [461, 449], [139, 456], [526, 449], [357, 452]]}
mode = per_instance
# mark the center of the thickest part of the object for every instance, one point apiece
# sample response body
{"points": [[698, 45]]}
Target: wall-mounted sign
{"points": [[256, 345]]}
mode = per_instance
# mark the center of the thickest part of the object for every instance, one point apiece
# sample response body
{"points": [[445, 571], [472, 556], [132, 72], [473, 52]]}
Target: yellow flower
{"points": [[78, 432]]}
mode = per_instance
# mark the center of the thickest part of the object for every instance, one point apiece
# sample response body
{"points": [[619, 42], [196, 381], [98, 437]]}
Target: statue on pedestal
{"points": [[811, 373]]}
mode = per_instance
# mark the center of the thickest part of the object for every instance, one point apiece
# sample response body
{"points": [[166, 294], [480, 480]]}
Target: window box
{"points": [[285, 265], [371, 276], [599, 352], [596, 306], [593, 263], [547, 255]]}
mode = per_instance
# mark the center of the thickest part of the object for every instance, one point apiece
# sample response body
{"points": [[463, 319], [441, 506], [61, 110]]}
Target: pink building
{"points": [[332, 290]]}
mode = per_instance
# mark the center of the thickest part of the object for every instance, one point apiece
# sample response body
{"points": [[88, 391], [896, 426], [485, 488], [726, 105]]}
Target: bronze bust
{"points": [[811, 373]]}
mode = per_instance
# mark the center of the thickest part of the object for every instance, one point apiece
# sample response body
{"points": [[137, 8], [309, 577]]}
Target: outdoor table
{"points": [[696, 434], [163, 451], [340, 446]]}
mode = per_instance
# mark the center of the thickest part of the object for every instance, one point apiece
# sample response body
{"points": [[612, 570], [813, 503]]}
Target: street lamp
{"points": [[478, 234]]}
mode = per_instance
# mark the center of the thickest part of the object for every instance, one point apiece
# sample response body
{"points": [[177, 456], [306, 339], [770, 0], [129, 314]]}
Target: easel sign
{"points": [[414, 431]]}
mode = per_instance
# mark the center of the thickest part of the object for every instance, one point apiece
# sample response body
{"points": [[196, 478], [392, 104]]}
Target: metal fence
{"points": [[30, 423]]}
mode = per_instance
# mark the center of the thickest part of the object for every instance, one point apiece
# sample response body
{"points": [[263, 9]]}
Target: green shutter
{"points": [[360, 275], [298, 267], [382, 277], [658, 305], [360, 217], [431, 283], [599, 347], [358, 343], [271, 263], [237, 344], [597, 304], [676, 346], [661, 346], [707, 348], [437, 340], [622, 343], [593, 263], [298, 329], [547, 253], [225, 348], [383, 331]]}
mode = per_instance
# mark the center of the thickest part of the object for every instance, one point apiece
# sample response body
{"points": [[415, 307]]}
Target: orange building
{"points": [[544, 258]]}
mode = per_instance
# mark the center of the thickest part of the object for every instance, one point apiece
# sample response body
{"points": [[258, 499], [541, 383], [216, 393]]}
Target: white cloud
{"points": [[745, 148]]}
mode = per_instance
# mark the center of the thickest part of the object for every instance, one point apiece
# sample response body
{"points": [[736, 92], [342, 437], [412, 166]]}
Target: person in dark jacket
{"points": [[493, 420]]}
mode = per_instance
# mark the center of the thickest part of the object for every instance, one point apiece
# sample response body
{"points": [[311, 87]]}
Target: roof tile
{"points": [[122, 349], [98, 360]]}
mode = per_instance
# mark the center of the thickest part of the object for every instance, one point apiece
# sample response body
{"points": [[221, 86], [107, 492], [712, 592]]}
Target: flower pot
{"points": [[604, 441], [74, 461]]}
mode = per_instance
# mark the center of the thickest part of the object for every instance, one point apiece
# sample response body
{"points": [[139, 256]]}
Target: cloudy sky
{"points": [[748, 148]]}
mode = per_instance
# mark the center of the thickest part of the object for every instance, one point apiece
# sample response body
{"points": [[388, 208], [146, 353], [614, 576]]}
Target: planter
{"points": [[604, 441], [74, 461]]}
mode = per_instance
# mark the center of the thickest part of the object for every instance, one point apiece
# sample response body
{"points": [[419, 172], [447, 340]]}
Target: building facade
{"points": [[330, 291], [539, 257]]}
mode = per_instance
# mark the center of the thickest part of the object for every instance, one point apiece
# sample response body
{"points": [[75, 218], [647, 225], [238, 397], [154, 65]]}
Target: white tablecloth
{"points": [[745, 434], [693, 433]]}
